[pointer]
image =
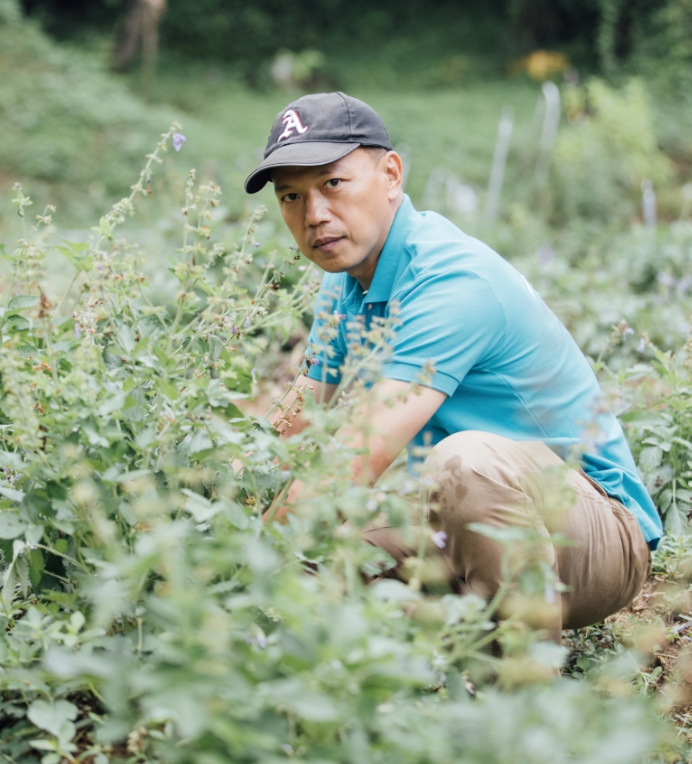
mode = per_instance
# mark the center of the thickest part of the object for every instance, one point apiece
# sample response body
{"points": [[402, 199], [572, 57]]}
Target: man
{"points": [[511, 395]]}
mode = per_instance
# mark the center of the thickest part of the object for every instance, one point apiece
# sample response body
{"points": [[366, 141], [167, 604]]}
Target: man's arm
{"points": [[392, 414]]}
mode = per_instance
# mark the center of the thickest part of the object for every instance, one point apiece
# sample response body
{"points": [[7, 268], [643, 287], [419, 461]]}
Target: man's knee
{"points": [[461, 453], [478, 476], [457, 468], [467, 457]]}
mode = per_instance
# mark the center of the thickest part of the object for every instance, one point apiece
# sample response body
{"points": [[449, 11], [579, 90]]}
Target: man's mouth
{"points": [[327, 243]]}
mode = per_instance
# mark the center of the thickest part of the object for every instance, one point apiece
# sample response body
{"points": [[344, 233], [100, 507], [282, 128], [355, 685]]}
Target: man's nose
{"points": [[316, 211]]}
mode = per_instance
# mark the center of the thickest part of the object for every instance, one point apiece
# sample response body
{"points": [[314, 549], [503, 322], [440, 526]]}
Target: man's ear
{"points": [[394, 169]]}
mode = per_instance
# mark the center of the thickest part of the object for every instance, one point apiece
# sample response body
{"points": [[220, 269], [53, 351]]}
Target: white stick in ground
{"points": [[497, 173], [551, 121], [648, 203]]}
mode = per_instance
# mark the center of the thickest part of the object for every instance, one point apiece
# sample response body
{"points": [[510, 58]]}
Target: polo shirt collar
{"points": [[390, 259]]}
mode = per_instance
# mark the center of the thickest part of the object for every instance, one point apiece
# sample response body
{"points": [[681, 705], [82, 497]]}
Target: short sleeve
{"points": [[450, 319], [326, 352]]}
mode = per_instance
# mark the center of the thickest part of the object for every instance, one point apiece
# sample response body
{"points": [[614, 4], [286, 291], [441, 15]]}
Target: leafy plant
{"points": [[606, 152], [149, 613]]}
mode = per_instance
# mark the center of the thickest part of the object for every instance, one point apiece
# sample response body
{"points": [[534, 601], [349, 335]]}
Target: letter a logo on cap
{"points": [[291, 122]]}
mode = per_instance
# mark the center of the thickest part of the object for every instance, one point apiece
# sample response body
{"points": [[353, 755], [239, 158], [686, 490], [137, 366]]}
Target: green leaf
{"points": [[12, 460], [314, 708], [226, 433], [236, 514], [22, 567], [389, 589], [94, 438], [8, 585], [18, 323], [675, 520], [76, 246], [200, 508], [583, 662], [200, 441], [126, 338], [47, 745], [11, 527], [22, 301], [640, 417], [11, 493], [52, 716], [34, 534], [36, 567], [105, 228], [665, 498], [72, 253], [650, 458], [112, 404]]}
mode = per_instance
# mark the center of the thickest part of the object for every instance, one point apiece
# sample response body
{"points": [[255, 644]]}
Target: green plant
{"points": [[605, 153], [148, 612]]}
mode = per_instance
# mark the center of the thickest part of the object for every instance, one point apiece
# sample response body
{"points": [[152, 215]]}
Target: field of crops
{"points": [[148, 613]]}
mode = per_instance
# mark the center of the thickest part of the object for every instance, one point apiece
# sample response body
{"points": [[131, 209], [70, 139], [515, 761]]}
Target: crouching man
{"points": [[511, 394]]}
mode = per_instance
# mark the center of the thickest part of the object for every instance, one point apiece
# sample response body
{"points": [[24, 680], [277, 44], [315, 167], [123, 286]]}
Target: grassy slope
{"points": [[69, 129]]}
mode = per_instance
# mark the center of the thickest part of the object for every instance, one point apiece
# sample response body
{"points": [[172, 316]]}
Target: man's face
{"points": [[340, 213]]}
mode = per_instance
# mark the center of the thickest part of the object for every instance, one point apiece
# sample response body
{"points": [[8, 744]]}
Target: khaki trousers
{"points": [[478, 477]]}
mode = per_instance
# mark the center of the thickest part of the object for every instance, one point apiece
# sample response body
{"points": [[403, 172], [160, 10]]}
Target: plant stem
{"points": [[67, 292]]}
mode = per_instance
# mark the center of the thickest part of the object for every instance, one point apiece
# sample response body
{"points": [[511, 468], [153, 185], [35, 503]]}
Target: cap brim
{"points": [[303, 154]]}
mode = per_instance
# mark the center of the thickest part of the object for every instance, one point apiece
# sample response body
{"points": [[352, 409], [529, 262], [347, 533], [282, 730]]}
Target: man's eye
{"points": [[333, 182], [290, 197]]}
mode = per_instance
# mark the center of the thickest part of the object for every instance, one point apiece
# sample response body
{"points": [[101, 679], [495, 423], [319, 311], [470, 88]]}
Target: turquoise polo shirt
{"points": [[503, 359]]}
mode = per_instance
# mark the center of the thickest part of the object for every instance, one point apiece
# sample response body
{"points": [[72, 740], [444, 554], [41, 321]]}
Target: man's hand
{"points": [[288, 419]]}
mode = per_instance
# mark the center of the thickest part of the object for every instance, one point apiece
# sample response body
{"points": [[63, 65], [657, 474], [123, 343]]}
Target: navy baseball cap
{"points": [[318, 129]]}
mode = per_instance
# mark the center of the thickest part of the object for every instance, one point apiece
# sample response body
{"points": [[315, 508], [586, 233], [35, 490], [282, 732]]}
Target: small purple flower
{"points": [[261, 640], [78, 331], [178, 140], [253, 374], [641, 347], [247, 322], [234, 329], [627, 330], [440, 539]]}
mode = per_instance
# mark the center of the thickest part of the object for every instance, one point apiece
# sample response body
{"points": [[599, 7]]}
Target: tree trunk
{"points": [[141, 32]]}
